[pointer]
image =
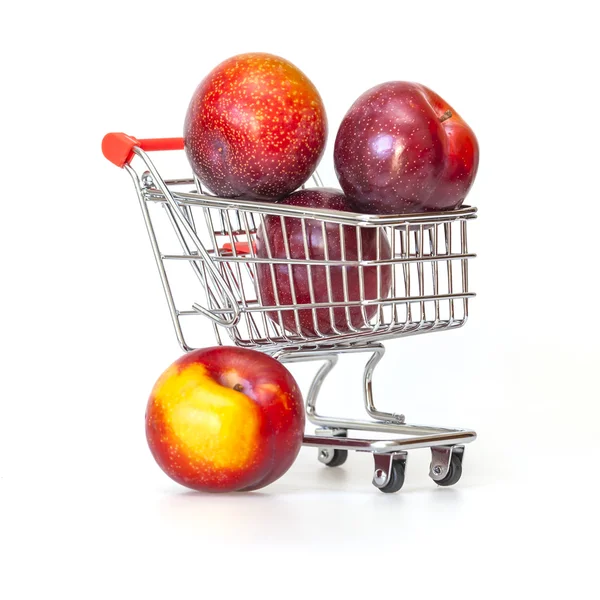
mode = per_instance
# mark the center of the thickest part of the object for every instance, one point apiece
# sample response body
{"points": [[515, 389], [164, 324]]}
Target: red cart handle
{"points": [[118, 147]]}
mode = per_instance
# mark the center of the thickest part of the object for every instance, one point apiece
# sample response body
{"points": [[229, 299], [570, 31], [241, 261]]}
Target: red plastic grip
{"points": [[118, 147], [240, 247], [161, 144]]}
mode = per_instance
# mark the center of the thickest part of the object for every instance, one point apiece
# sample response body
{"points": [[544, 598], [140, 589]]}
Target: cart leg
{"points": [[315, 386], [330, 360], [378, 352]]}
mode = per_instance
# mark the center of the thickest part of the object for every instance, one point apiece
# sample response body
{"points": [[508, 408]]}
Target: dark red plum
{"points": [[294, 236], [402, 149]]}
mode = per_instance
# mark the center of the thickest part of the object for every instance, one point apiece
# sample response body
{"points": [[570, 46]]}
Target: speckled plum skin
{"points": [[398, 151], [273, 233], [255, 128]]}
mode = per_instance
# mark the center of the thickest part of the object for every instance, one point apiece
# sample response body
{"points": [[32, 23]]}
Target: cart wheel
{"points": [[396, 480], [454, 471], [333, 458]]}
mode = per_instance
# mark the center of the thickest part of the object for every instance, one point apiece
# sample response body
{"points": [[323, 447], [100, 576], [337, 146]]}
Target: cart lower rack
{"points": [[370, 278]]}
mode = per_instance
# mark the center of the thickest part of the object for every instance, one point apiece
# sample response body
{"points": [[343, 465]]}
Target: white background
{"points": [[85, 512]]}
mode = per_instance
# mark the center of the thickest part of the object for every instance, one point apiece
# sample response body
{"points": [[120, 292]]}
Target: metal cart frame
{"points": [[427, 261]]}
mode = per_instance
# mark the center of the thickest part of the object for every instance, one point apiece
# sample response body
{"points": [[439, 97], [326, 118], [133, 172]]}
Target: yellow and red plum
{"points": [[223, 419]]}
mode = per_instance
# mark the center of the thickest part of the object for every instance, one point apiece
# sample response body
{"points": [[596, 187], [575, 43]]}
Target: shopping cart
{"points": [[216, 242]]}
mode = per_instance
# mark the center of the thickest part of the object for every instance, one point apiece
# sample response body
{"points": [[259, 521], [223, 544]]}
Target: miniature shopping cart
{"points": [[214, 240]]}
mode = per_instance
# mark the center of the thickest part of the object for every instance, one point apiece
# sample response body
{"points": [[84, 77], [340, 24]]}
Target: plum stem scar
{"points": [[445, 116]]}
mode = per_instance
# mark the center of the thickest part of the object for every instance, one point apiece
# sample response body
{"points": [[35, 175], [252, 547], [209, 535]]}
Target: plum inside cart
{"points": [[420, 274]]}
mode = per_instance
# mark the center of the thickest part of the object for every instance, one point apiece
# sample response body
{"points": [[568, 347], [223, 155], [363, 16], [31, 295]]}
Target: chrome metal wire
{"points": [[390, 282]]}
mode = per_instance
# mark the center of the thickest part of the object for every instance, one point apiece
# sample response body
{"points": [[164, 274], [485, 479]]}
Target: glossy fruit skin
{"points": [[273, 233], [398, 151], [225, 419], [255, 128]]}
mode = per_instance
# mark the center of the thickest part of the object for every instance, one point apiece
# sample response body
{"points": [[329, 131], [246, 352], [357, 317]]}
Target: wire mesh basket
{"points": [[365, 278]]}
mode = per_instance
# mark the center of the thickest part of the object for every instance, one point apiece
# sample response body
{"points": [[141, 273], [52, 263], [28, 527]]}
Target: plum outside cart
{"points": [[215, 240]]}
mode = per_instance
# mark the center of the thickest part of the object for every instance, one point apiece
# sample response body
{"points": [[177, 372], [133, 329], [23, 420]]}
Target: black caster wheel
{"points": [[396, 480], [454, 471], [333, 458]]}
